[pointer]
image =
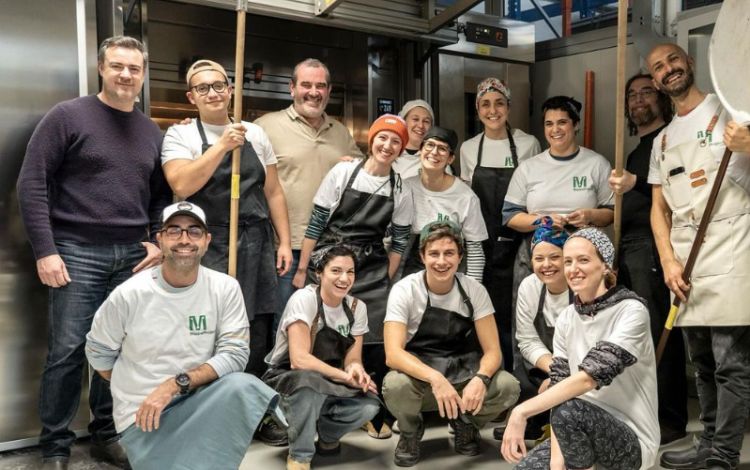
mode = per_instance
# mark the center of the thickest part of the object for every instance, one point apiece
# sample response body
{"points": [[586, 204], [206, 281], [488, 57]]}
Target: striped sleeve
{"points": [[400, 237], [318, 222], [474, 260]]}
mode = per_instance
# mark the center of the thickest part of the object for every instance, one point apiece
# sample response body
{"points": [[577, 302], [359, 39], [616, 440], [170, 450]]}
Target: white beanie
{"points": [[409, 105]]}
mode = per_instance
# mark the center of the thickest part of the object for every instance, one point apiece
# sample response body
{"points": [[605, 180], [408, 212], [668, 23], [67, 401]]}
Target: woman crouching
{"points": [[603, 374], [316, 364]]}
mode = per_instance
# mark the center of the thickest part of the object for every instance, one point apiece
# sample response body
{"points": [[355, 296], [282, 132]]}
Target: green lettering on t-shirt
{"points": [[509, 162], [197, 323], [579, 182]]}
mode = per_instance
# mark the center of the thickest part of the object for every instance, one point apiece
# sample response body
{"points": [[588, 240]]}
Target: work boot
{"points": [[693, 458], [110, 452], [55, 463], [407, 449], [327, 448], [467, 438], [715, 463], [292, 464], [270, 433]]}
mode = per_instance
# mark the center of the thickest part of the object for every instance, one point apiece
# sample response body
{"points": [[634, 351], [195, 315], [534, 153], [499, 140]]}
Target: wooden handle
{"points": [[622, 34], [234, 204]]}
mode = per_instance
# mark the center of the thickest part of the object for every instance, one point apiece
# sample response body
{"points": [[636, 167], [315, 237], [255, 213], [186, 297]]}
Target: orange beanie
{"points": [[388, 122]]}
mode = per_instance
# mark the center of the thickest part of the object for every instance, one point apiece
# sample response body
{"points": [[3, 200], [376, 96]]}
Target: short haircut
{"points": [[564, 103], [314, 63], [665, 103], [439, 231], [125, 42]]}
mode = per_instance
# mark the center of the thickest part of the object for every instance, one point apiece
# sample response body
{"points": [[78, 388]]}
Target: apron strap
{"points": [[318, 315], [202, 132], [709, 129], [464, 297], [511, 142]]}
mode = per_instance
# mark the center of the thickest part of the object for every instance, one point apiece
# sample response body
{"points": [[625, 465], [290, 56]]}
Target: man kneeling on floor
{"points": [[174, 341], [442, 345]]}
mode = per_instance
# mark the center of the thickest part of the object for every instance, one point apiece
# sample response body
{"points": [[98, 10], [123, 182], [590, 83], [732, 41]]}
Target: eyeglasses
{"points": [[174, 232], [202, 88], [643, 94], [441, 149]]}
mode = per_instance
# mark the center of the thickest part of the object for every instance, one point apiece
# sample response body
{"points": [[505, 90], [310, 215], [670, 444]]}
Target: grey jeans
{"points": [[331, 417], [721, 356]]}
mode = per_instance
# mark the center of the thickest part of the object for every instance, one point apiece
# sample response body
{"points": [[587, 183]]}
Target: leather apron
{"points": [[360, 221], [500, 248], [256, 267], [447, 341], [330, 347], [524, 371], [721, 275]]}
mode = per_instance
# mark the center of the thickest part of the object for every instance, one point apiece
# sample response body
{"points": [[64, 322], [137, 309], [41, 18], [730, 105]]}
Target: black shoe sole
{"points": [[403, 462], [683, 466]]}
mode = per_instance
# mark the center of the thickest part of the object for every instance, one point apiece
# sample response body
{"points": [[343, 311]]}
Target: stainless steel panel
{"points": [[40, 61]]}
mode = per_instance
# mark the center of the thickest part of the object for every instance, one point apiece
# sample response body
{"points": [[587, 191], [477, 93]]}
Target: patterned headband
{"points": [[492, 84], [601, 242], [546, 233]]}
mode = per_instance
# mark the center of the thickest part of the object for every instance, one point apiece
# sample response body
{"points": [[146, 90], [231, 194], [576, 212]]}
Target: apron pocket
{"points": [[716, 256], [680, 191]]}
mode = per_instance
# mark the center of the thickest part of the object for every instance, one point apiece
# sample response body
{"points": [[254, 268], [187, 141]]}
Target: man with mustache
{"points": [[90, 184], [648, 111], [716, 320], [174, 340], [307, 143]]}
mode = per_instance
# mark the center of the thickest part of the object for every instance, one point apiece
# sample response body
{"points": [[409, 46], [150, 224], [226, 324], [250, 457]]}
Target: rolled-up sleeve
{"points": [[104, 341]]}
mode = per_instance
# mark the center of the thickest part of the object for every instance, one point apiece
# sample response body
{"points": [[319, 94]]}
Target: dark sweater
{"points": [[636, 203], [91, 174]]}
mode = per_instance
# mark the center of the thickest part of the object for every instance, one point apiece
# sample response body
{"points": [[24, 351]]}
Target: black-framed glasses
{"points": [[218, 87], [441, 149], [643, 94], [174, 232]]}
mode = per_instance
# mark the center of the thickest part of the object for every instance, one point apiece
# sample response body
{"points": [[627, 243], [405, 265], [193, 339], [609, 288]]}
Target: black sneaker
{"points": [[327, 448], [467, 438], [687, 459], [407, 449], [111, 452], [270, 433]]}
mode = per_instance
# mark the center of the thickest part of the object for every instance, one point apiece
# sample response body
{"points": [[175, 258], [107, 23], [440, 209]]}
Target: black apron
{"points": [[256, 267], [360, 221], [330, 347], [491, 185], [447, 341]]}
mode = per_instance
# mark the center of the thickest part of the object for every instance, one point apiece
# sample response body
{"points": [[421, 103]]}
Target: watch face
{"points": [[183, 380]]}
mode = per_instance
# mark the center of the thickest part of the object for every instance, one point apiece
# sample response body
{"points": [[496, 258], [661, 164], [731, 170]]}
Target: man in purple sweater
{"points": [[90, 184]]}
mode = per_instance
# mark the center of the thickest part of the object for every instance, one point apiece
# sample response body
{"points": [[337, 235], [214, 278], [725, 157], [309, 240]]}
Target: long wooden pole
{"points": [[234, 205], [622, 33], [694, 249]]}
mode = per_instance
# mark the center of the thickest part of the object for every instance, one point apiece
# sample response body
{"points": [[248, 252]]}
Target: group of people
{"points": [[373, 288]]}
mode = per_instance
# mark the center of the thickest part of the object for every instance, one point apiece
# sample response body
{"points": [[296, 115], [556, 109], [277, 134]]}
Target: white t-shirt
{"points": [[160, 333], [631, 397], [544, 185], [458, 204], [496, 153], [333, 186], [529, 343], [408, 300], [408, 165], [184, 142], [303, 305], [692, 126]]}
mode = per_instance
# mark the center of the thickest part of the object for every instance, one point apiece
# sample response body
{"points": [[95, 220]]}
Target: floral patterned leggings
{"points": [[587, 435]]}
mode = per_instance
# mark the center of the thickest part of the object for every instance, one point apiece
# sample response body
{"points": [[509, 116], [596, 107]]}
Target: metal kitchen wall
{"points": [[48, 55]]}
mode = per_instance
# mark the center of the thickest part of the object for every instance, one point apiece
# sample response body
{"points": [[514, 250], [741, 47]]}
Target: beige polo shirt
{"points": [[304, 157]]}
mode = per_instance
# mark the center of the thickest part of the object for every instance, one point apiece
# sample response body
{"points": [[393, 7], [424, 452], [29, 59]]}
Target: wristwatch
{"points": [[485, 380], [183, 381]]}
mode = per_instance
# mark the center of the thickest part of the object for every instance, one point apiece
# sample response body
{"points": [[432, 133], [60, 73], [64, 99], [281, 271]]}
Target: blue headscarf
{"points": [[546, 233]]}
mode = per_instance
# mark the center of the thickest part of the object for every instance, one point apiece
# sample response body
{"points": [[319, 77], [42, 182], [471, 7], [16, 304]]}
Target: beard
{"points": [[681, 86], [183, 263], [643, 116]]}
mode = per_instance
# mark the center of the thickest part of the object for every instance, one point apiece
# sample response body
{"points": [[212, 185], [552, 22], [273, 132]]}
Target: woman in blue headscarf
{"points": [[541, 297]]}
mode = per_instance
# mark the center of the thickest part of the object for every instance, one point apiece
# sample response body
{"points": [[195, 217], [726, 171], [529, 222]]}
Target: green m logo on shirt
{"points": [[197, 323], [509, 162], [579, 183]]}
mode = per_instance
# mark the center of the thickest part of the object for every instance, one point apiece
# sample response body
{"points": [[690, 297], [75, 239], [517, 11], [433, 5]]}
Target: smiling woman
{"points": [[602, 374]]}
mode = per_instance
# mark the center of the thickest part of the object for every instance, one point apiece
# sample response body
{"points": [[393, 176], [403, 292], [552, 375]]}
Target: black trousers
{"points": [[640, 271]]}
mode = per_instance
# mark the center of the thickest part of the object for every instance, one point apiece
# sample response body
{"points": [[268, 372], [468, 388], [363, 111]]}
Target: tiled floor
{"points": [[359, 451]]}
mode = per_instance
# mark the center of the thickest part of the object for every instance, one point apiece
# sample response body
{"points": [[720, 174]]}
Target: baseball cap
{"points": [[184, 208], [203, 65], [452, 227]]}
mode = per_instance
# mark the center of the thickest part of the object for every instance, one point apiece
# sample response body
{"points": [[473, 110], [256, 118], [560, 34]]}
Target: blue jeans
{"points": [[95, 270], [331, 417], [285, 289]]}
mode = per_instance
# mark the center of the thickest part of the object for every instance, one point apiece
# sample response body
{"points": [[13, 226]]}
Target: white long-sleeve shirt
{"points": [[148, 331], [527, 305]]}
